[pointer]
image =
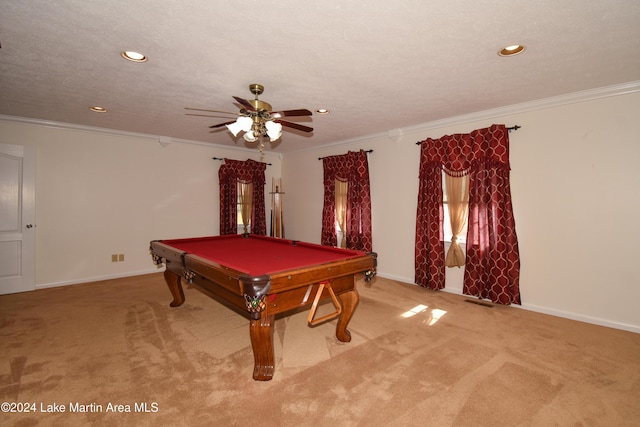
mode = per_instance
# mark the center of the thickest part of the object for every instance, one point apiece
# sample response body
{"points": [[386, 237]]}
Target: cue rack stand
{"points": [[277, 209]]}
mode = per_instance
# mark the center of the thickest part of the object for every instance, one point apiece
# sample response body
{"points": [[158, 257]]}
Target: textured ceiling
{"points": [[378, 65]]}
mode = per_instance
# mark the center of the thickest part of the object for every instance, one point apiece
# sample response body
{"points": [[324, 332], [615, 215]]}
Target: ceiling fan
{"points": [[256, 118]]}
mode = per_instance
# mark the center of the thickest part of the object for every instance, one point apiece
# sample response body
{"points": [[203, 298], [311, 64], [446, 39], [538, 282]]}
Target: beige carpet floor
{"points": [[417, 358]]}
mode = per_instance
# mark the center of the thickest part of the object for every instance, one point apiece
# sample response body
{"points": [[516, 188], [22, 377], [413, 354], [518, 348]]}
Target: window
{"points": [[447, 223], [245, 206], [448, 234], [462, 191], [341, 212], [237, 197], [353, 168]]}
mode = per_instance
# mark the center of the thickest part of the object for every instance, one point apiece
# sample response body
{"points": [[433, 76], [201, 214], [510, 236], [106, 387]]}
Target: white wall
{"points": [[99, 194], [575, 185], [575, 181]]}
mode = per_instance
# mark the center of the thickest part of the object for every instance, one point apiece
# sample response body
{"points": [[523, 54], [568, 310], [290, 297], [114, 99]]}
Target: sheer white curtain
{"points": [[245, 200], [457, 189], [341, 210]]}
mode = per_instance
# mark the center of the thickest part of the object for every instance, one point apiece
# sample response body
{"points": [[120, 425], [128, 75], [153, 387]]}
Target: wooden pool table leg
{"points": [[349, 302], [175, 287], [261, 332]]}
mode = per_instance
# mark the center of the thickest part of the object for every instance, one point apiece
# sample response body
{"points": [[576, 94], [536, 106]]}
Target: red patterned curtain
{"points": [[429, 255], [353, 168], [492, 267], [229, 174]]}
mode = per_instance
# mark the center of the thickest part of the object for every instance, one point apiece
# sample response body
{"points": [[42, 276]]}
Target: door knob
{"points": [[29, 225]]}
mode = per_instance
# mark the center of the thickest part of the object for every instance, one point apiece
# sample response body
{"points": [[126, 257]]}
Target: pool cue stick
{"points": [[281, 211], [277, 196], [273, 233]]}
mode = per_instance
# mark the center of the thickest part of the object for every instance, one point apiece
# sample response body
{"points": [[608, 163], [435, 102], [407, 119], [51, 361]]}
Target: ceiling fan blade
{"points": [[210, 111], [291, 113], [219, 125], [246, 104], [294, 126], [204, 115]]}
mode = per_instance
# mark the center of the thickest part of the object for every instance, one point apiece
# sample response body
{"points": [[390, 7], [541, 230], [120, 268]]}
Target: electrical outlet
{"points": [[114, 258], [121, 257]]}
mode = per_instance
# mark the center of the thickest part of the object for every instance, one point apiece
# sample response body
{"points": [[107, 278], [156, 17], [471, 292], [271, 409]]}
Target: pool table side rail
{"points": [[285, 280], [162, 251], [237, 281]]}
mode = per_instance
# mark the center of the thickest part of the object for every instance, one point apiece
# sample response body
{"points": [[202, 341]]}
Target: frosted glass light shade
{"points": [[242, 123], [249, 136], [274, 130]]}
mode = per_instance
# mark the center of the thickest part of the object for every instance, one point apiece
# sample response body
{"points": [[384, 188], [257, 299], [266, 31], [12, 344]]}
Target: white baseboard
{"points": [[580, 317], [98, 278]]}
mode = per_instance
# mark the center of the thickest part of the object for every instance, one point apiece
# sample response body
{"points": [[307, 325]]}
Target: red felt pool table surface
{"points": [[258, 255]]}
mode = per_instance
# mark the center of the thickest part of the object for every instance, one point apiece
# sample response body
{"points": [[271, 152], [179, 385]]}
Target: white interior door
{"points": [[17, 215]]}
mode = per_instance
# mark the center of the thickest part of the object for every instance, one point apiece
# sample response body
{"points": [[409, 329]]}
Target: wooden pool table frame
{"points": [[261, 298]]}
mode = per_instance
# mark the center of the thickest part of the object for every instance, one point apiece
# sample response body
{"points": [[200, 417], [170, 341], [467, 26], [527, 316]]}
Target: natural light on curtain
{"points": [[352, 168], [245, 203], [457, 190], [341, 210], [492, 263], [231, 172]]}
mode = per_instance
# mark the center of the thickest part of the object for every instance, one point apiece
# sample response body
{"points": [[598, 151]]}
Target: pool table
{"points": [[262, 277]]}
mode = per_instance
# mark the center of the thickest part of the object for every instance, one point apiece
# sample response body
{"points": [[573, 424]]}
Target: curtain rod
{"points": [[366, 151], [221, 159], [516, 127]]}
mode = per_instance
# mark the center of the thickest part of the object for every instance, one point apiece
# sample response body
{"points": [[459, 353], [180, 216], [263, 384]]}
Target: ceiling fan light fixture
{"points": [[258, 120], [243, 123], [249, 136], [234, 128], [274, 130]]}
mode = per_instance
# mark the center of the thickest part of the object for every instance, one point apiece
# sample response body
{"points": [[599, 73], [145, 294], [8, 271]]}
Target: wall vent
{"points": [[478, 302]]}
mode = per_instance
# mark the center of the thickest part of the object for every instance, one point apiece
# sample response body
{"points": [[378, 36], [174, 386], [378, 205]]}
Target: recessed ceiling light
{"points": [[96, 109], [514, 49], [322, 111], [133, 56]]}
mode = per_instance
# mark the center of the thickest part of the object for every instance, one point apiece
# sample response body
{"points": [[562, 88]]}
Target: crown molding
{"points": [[164, 141], [540, 104], [556, 101], [393, 134]]}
